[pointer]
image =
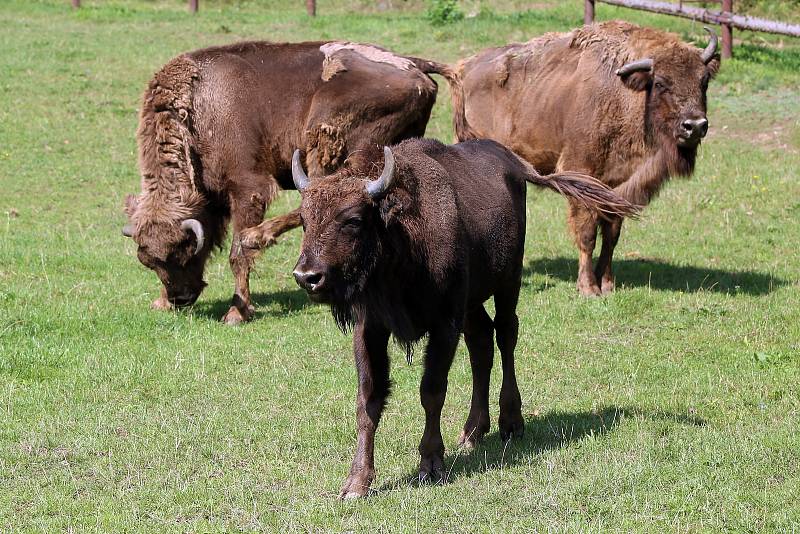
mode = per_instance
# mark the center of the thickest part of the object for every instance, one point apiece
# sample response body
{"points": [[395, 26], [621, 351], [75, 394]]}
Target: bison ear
{"points": [[637, 81], [713, 66], [131, 203]]}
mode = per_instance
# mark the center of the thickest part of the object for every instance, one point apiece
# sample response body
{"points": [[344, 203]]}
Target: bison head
{"points": [[342, 233], [676, 80], [175, 249]]}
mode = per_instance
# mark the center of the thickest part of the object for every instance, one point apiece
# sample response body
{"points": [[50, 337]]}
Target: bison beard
{"points": [[418, 251]]}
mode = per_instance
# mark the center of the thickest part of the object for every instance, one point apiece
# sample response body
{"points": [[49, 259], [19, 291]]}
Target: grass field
{"points": [[673, 404]]}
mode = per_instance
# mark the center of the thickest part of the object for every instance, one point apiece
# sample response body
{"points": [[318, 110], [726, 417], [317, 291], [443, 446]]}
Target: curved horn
{"points": [[635, 66], [376, 188], [127, 230], [711, 49], [299, 176], [197, 229]]}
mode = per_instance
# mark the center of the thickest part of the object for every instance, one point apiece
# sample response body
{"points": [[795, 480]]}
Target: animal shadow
{"points": [[665, 276], [272, 304], [554, 430]]}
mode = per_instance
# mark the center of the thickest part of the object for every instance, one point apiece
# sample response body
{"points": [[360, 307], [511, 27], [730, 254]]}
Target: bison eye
{"points": [[353, 223]]}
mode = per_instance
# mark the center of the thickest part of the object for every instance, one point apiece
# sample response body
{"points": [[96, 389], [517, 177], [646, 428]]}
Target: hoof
{"points": [[355, 487], [607, 287], [255, 238], [589, 291], [511, 426], [431, 470], [236, 316], [162, 304], [472, 435]]}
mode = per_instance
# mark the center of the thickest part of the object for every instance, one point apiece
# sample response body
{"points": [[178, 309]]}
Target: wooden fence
{"points": [[726, 18]]}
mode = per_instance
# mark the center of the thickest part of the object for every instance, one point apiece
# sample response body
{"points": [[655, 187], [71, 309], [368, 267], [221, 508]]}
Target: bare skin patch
{"points": [[331, 66]]}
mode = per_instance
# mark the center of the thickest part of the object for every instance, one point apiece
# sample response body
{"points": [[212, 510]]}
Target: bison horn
{"points": [[299, 176], [197, 229], [376, 188], [711, 49], [635, 66], [127, 230]]}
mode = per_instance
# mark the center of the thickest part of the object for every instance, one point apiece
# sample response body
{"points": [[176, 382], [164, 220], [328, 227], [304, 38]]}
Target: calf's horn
{"points": [[127, 230], [376, 188], [197, 229], [299, 176], [635, 66], [711, 49]]}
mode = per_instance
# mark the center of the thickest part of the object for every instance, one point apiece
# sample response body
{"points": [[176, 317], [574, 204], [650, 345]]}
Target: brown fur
{"points": [[422, 259], [557, 101], [216, 133]]}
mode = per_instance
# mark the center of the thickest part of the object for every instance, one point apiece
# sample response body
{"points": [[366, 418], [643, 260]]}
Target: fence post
{"points": [[727, 31], [588, 11], [311, 8], [76, 3], [193, 6]]}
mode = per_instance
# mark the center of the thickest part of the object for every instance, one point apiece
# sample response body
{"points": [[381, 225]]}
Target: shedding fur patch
{"points": [[328, 140], [332, 66]]}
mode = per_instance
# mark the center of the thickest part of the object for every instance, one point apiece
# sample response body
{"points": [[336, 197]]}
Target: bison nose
{"points": [[695, 128], [311, 281]]}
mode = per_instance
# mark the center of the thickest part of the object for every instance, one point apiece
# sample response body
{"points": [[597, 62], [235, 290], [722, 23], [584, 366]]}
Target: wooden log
{"points": [[741, 22], [588, 11], [311, 8], [193, 6]]}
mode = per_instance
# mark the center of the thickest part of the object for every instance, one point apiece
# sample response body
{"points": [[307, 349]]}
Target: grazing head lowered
{"points": [[175, 248]]}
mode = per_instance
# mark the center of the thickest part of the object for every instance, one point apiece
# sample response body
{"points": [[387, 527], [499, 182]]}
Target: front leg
{"points": [[372, 363], [246, 210], [439, 353]]}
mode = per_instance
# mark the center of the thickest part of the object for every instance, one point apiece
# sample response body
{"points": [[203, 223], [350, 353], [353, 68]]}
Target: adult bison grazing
{"points": [[417, 250], [623, 103], [216, 134]]}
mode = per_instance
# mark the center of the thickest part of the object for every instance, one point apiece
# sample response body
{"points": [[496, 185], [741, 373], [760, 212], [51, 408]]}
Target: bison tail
{"points": [[586, 190], [165, 139], [462, 128]]}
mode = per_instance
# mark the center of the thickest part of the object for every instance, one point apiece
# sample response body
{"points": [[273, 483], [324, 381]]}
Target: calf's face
{"points": [[341, 224]]}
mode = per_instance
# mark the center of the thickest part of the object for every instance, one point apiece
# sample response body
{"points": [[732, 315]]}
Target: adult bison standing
{"points": [[216, 134], [620, 102], [417, 250]]}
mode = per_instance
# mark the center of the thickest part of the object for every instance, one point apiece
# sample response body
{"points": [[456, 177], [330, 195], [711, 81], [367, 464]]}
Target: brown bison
{"points": [[623, 103], [216, 134], [417, 251]]}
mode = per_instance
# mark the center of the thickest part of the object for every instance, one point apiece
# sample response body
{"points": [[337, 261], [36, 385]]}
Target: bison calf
{"points": [[418, 251]]}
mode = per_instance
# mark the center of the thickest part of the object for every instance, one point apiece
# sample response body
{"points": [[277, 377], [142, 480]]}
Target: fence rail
{"points": [[726, 18]]}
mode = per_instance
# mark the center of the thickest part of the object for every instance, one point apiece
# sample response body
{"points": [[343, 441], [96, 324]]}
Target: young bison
{"points": [[418, 251]]}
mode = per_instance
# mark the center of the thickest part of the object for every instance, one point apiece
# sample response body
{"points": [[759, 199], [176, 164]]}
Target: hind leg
{"points": [[610, 231], [479, 337], [583, 224], [266, 233], [506, 324]]}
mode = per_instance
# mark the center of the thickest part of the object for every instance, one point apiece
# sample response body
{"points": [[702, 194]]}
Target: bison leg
{"points": [[584, 227], [265, 234], [439, 353], [506, 323], [610, 231], [246, 211], [372, 363], [479, 336]]}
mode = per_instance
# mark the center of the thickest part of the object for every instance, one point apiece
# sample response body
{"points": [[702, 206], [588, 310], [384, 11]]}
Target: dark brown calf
{"points": [[417, 251]]}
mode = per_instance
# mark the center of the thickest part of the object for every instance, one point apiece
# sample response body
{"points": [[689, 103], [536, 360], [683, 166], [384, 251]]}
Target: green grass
{"points": [[671, 405]]}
